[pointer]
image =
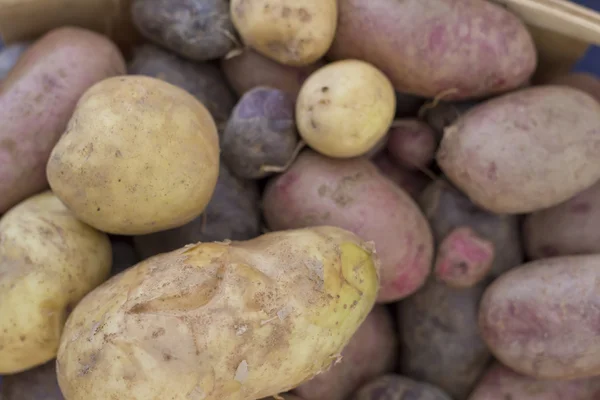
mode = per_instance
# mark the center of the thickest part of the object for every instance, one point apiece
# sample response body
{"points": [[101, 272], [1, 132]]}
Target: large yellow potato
{"points": [[221, 320], [345, 108], [139, 156], [48, 262], [290, 32]]}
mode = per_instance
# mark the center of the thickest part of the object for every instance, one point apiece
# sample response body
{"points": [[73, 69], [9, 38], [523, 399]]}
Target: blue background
{"points": [[591, 61]]}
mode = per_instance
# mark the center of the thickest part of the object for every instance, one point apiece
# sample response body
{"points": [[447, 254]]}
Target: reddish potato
{"points": [[412, 143], [352, 194], [413, 182], [375, 340], [587, 82], [501, 383], [396, 387], [36, 384], [541, 319]]}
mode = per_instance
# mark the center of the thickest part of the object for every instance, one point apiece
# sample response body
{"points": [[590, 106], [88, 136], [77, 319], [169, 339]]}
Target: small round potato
{"points": [[287, 31], [345, 108], [48, 262], [139, 156]]}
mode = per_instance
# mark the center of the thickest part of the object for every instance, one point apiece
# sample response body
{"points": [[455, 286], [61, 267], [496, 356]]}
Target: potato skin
{"points": [[132, 186], [204, 81], [439, 46], [10, 55], [396, 387], [250, 69], [501, 383], [261, 132], [37, 384], [37, 99], [375, 340], [200, 30], [345, 108], [284, 30], [411, 143], [412, 182], [52, 260], [229, 321], [526, 314], [486, 152], [233, 213], [584, 81], [353, 195]]}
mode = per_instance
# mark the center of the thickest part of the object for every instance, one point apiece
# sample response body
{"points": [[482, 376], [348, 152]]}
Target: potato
{"points": [[285, 396], [284, 30], [261, 133], [353, 195], [250, 69], [48, 262], [233, 213], [412, 182], [227, 321], [202, 80], [500, 383], [584, 81], [10, 55], [375, 341], [396, 387], [345, 108], [541, 319], [511, 154], [37, 384], [139, 156], [123, 254], [569, 228], [412, 143], [457, 50], [468, 238], [37, 99], [200, 30], [444, 114]]}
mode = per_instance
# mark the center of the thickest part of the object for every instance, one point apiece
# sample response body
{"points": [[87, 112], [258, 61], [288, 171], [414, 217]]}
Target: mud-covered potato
{"points": [[48, 262], [289, 32], [345, 108], [221, 321], [139, 156], [354, 195], [250, 69], [501, 383], [202, 80], [412, 143], [374, 341], [511, 154], [233, 213], [36, 384], [200, 30], [541, 319], [396, 387], [260, 134], [10, 55]]}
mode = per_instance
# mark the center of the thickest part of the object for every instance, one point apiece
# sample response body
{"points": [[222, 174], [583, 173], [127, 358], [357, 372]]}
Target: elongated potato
{"points": [[36, 384], [541, 319], [37, 99], [458, 49], [221, 321], [286, 31], [487, 151], [48, 262], [353, 195]]}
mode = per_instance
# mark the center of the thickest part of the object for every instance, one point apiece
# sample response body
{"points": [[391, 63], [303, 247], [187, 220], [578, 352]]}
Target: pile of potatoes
{"points": [[299, 200]]}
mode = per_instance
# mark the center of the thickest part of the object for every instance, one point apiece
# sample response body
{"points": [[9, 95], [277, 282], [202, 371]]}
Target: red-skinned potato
{"points": [[413, 182], [353, 194], [412, 143], [584, 81]]}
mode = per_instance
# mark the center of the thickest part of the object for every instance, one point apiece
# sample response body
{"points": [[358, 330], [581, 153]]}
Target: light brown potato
{"points": [[345, 108], [36, 384], [37, 99], [501, 383], [541, 319], [139, 156], [375, 341], [353, 195], [511, 154], [286, 31], [454, 49], [250, 69]]}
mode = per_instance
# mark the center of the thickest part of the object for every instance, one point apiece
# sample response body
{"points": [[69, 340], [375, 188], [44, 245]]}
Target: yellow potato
{"points": [[345, 108], [290, 32], [139, 156], [48, 262], [221, 321]]}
